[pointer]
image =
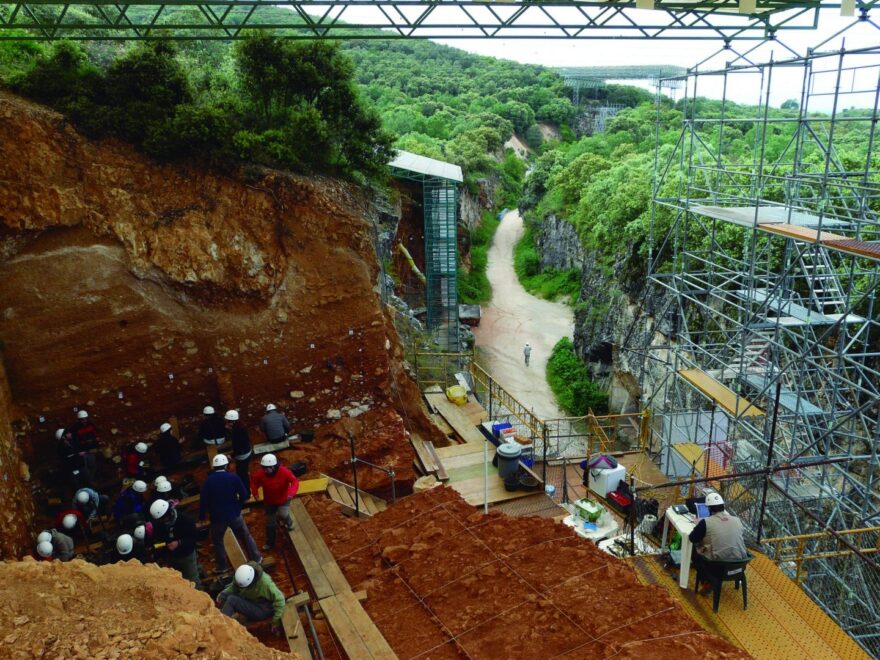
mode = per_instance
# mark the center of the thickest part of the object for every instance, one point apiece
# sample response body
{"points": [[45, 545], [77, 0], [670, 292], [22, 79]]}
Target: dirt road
{"points": [[515, 317]]}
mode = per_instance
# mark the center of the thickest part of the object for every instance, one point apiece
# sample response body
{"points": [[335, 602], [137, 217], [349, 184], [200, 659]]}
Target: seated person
{"points": [[718, 537], [253, 594]]}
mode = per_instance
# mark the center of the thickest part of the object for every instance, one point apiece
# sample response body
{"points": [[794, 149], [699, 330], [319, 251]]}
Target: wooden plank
{"points": [[441, 471], [457, 419], [294, 631], [471, 490], [320, 583], [321, 551], [312, 486], [798, 232], [344, 629], [869, 249], [460, 450], [442, 424], [233, 550], [376, 644], [424, 457], [722, 395]]}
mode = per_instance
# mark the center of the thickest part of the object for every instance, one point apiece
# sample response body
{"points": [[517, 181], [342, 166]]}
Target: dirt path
{"points": [[515, 317]]}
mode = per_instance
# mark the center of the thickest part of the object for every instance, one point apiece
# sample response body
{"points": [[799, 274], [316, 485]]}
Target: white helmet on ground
{"points": [[82, 496], [139, 486], [165, 427], [44, 537], [82, 414], [244, 575], [44, 549], [124, 544], [231, 416], [270, 407], [208, 410], [269, 460], [159, 508], [59, 434], [219, 460], [163, 487], [158, 480], [714, 499], [69, 521], [141, 448], [140, 532]]}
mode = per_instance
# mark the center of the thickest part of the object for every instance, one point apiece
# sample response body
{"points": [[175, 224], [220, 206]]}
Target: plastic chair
{"points": [[716, 572]]}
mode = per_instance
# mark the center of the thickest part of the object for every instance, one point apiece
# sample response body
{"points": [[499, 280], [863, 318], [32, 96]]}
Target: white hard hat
{"points": [[165, 427], [270, 407], [124, 544], [141, 448], [244, 575], [44, 549], [69, 521], [163, 487], [269, 460], [159, 508], [139, 486], [208, 410], [140, 532], [158, 480], [714, 499], [59, 434], [44, 536], [231, 416], [82, 496], [82, 414], [220, 460]]}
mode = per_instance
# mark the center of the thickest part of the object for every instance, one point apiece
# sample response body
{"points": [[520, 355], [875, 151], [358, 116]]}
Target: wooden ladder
{"points": [[343, 494]]}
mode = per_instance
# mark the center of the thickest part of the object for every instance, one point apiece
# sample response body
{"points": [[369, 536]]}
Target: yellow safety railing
{"points": [[803, 547], [502, 397]]}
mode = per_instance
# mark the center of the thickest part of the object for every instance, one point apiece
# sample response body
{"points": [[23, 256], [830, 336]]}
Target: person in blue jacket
{"points": [[221, 496], [129, 506]]}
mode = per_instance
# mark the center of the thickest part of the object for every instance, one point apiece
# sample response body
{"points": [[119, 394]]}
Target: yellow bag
{"points": [[457, 394]]}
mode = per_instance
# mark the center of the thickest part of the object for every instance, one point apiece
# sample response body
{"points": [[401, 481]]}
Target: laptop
{"points": [[702, 510]]}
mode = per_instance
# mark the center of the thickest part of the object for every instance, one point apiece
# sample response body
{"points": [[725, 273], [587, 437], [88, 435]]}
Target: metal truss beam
{"points": [[408, 19]]}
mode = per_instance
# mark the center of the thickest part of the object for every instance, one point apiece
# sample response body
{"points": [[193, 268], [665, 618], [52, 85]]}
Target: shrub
{"points": [[570, 381]]}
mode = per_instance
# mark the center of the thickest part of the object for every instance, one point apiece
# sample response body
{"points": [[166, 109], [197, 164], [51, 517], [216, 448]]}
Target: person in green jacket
{"points": [[253, 594]]}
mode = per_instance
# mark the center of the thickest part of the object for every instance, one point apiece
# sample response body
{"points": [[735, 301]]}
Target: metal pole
{"points": [[354, 474], [632, 516], [564, 480], [391, 476], [769, 461], [544, 457], [486, 475]]}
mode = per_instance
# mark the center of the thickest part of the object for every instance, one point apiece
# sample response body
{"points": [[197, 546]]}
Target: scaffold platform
{"points": [[720, 394], [781, 621]]}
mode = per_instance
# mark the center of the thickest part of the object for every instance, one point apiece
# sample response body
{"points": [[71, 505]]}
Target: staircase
{"points": [[825, 292], [754, 359], [343, 494]]}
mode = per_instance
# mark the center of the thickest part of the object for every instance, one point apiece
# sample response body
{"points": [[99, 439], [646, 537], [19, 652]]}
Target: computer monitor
{"points": [[702, 510]]}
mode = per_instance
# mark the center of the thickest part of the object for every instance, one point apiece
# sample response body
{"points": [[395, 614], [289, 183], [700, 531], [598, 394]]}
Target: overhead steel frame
{"points": [[406, 19], [772, 265], [439, 208]]}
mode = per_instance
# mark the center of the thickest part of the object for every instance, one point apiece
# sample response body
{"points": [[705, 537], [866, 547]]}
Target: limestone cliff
{"points": [[142, 291]]}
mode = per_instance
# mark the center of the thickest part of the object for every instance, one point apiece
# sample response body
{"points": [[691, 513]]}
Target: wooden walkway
{"points": [[780, 623], [720, 394]]}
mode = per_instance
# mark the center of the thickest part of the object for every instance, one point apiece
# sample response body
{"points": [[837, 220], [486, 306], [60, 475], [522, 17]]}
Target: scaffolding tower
{"points": [[440, 207], [771, 263]]}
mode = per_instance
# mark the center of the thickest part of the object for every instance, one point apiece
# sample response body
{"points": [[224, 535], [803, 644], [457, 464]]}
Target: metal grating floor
{"points": [[781, 622]]}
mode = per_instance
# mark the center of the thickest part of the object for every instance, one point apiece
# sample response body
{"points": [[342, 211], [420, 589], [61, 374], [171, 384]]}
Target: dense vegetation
{"points": [[571, 384], [545, 283], [473, 284]]}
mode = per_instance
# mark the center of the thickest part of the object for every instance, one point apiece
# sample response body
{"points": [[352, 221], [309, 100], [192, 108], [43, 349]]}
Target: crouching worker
{"points": [[176, 532], [253, 594]]}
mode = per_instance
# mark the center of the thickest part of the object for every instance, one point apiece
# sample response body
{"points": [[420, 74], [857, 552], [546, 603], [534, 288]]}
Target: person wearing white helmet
{"points": [[89, 502], [718, 537], [212, 431], [178, 531], [85, 436], [129, 506], [45, 551], [63, 546], [69, 458], [279, 487], [168, 448], [135, 461], [274, 424], [241, 447], [221, 497], [71, 521], [253, 594], [126, 550]]}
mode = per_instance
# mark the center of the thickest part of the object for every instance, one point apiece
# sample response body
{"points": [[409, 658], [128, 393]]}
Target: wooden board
{"points": [[869, 249], [801, 233], [294, 631], [722, 395], [233, 550], [460, 450], [423, 456], [369, 633], [464, 427], [312, 486], [311, 565], [320, 550], [442, 424], [344, 629], [472, 490], [441, 471]]}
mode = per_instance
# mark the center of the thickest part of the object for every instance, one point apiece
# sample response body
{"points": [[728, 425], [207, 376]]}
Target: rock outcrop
{"points": [[141, 291], [16, 504]]}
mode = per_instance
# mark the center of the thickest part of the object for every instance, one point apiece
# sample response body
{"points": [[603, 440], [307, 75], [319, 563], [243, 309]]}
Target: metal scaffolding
{"points": [[440, 207], [771, 263]]}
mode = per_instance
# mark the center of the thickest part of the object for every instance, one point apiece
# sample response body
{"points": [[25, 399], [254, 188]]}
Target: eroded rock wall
{"points": [[142, 291], [16, 505]]}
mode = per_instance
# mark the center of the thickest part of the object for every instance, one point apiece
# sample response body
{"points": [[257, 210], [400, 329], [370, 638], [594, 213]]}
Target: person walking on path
{"points": [[279, 487], [274, 424], [527, 352], [222, 495], [253, 594], [241, 448]]}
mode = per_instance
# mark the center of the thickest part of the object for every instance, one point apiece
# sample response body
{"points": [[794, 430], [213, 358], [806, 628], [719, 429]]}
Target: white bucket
{"points": [[647, 524]]}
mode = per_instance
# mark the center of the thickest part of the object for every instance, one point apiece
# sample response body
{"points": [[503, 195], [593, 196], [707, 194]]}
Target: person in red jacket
{"points": [[134, 461], [279, 487]]}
